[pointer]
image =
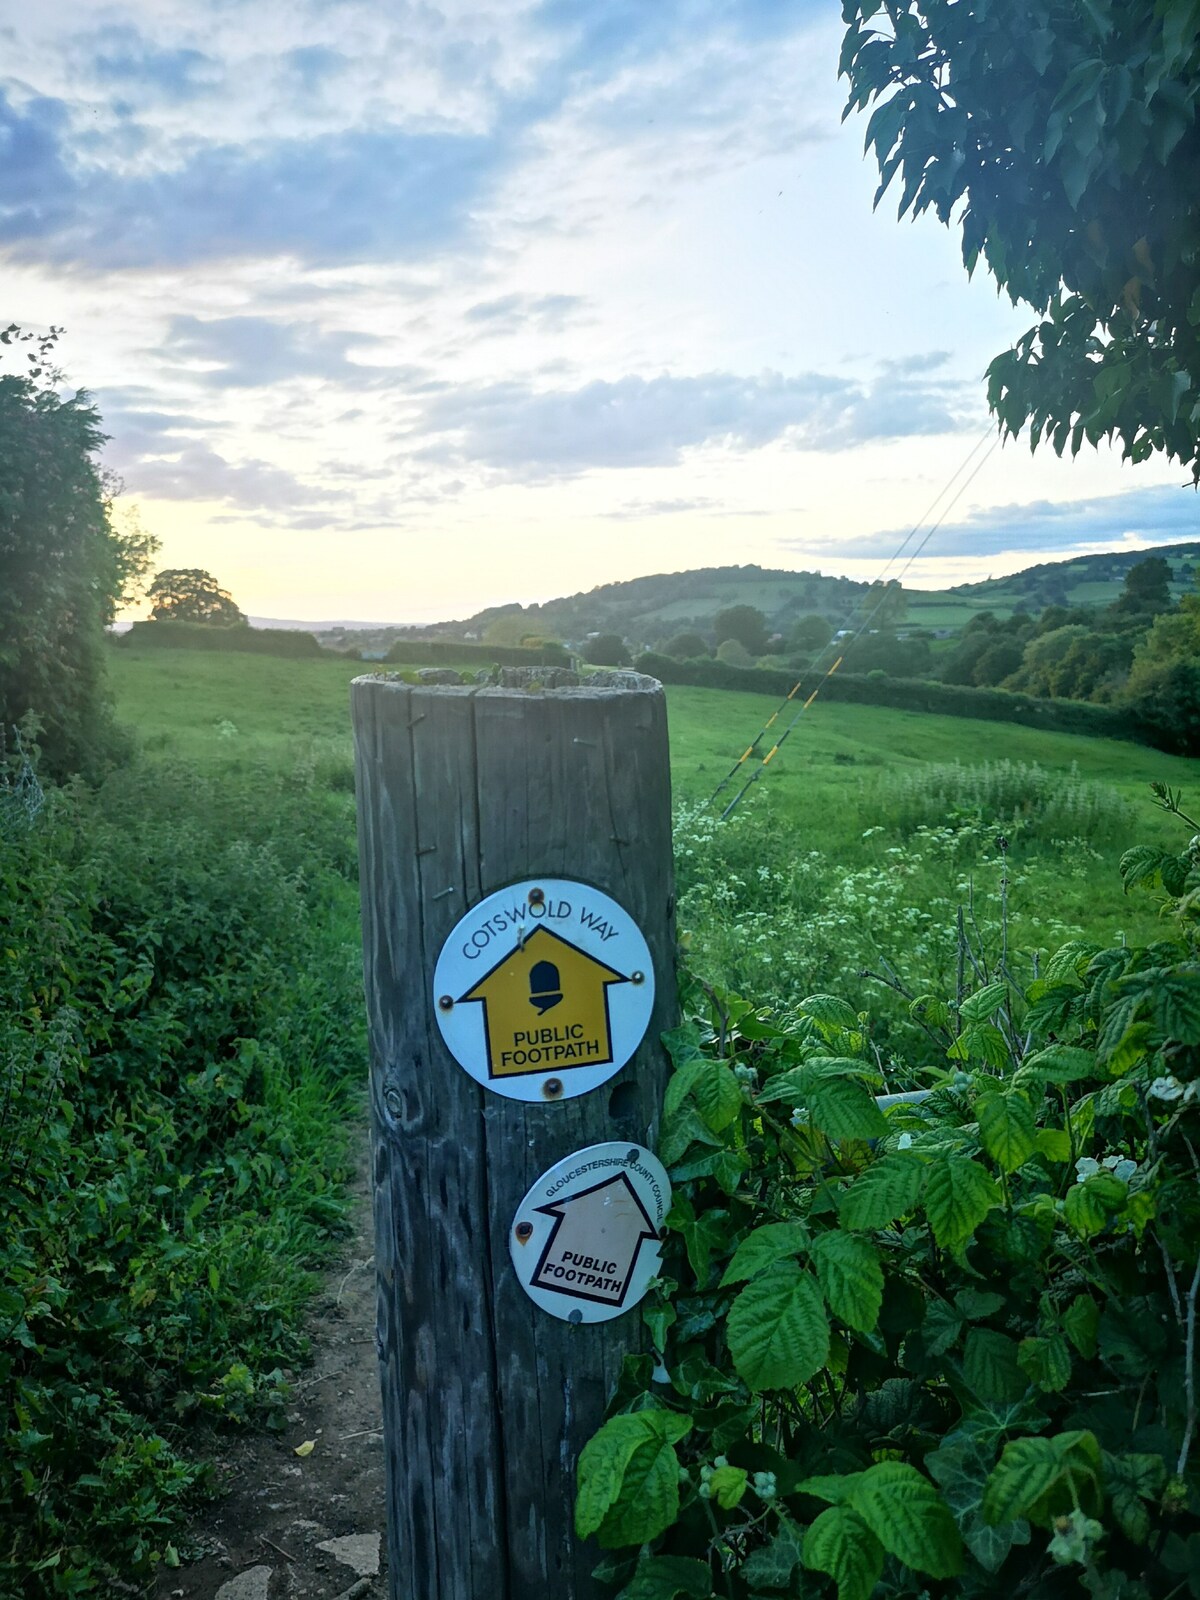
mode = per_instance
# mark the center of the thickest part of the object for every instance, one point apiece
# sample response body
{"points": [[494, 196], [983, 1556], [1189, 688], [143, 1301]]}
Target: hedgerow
{"points": [[943, 1347], [179, 1025]]}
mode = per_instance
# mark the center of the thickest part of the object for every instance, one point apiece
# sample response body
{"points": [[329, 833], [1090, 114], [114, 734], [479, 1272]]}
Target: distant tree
{"points": [[885, 604], [1164, 681], [746, 624], [882, 651], [65, 567], [1147, 586], [811, 633], [734, 653], [685, 647], [1000, 660], [189, 594], [606, 650], [1063, 137]]}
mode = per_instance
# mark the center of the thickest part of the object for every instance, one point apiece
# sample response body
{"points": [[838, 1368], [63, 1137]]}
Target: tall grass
{"points": [[1019, 798]]}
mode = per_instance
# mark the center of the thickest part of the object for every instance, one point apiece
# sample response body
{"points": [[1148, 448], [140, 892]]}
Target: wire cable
{"points": [[836, 642], [774, 750]]}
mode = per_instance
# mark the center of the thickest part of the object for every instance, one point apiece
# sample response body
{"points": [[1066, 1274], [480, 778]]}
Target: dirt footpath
{"points": [[306, 1527]]}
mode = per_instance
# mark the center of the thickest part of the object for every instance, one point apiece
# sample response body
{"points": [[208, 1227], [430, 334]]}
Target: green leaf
{"points": [[832, 1486], [984, 1003], [1069, 962], [718, 1095], [909, 1518], [844, 1108], [665, 1577], [681, 1131], [1054, 1144], [1007, 1128], [679, 1084], [1059, 1063], [1081, 1323], [1129, 1481], [771, 1566], [981, 1041], [941, 1328], [1038, 1477], [851, 1278], [958, 1195], [1047, 1362], [777, 1329], [774, 1241], [629, 1478], [990, 1368], [728, 1485], [831, 1014], [887, 1189], [1176, 1002], [840, 1543], [961, 1469], [1085, 1210]]}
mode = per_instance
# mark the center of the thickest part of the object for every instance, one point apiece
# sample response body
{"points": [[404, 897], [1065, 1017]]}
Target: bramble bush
{"points": [[942, 1347], [180, 1018]]}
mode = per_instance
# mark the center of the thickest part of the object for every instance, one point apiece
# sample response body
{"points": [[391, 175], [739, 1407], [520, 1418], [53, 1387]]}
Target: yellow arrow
{"points": [[545, 1008]]}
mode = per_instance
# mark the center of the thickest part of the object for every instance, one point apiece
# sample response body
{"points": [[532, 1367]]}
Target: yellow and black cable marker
{"points": [[845, 645]]}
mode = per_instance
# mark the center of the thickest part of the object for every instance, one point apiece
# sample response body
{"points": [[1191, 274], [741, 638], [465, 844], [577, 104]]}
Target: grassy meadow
{"points": [[854, 850]]}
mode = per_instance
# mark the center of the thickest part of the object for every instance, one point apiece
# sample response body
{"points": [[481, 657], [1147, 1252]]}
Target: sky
{"points": [[394, 311]]}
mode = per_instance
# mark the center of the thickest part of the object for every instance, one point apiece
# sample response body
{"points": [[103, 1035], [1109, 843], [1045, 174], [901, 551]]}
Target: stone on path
{"points": [[249, 1585], [359, 1551]]}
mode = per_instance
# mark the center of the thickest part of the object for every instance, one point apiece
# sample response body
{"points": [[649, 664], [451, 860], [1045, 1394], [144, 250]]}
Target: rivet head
{"points": [[575, 1316], [524, 1232], [537, 897], [637, 977], [446, 1002], [552, 1088], [632, 1156]]}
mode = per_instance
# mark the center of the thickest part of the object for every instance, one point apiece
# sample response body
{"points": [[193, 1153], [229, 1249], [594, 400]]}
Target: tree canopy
{"points": [[746, 624], [189, 594], [1062, 136], [64, 568]]}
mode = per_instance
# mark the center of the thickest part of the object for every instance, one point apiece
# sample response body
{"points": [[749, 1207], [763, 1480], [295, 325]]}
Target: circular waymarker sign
{"points": [[544, 990], [584, 1240]]}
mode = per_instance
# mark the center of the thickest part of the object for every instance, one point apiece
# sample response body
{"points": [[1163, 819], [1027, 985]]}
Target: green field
{"points": [[847, 848]]}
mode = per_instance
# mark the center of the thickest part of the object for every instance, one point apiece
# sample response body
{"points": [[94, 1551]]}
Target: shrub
{"points": [[906, 694], [945, 1347], [449, 653], [733, 653], [180, 1019], [213, 636]]}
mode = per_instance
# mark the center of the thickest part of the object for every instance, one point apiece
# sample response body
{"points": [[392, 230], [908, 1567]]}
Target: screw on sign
{"points": [[585, 1240], [543, 990]]}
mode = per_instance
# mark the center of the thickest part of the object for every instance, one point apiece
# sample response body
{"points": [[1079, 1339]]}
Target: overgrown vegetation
{"points": [[64, 565], [942, 1349], [180, 1023]]}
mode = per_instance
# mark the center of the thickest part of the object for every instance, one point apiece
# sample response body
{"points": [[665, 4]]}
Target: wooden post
{"points": [[487, 1400]]}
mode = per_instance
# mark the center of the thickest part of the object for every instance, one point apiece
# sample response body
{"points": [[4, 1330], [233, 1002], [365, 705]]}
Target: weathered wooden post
{"points": [[487, 1398]]}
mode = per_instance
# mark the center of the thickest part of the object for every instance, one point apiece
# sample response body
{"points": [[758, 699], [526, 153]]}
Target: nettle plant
{"points": [[946, 1346]]}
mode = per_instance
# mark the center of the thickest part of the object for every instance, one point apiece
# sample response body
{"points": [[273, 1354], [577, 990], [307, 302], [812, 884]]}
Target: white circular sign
{"points": [[584, 1241], [544, 990]]}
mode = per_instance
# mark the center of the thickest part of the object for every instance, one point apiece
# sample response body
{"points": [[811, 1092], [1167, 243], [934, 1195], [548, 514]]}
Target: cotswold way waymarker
{"points": [[544, 990], [518, 943]]}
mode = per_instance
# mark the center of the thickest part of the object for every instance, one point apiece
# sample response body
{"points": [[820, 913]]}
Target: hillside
{"points": [[648, 611]]}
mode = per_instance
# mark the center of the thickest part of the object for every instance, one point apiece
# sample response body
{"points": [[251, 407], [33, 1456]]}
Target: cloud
{"points": [[515, 313], [138, 425], [199, 473], [359, 195], [651, 422], [1158, 515], [123, 58], [249, 352]]}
